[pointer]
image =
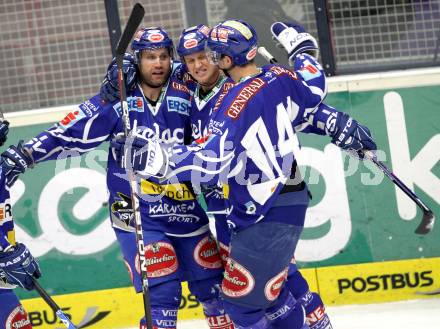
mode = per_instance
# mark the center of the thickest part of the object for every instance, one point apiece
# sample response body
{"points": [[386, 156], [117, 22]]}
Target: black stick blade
{"points": [[136, 16], [427, 223]]}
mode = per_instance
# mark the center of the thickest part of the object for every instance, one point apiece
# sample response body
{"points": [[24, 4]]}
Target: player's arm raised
{"points": [[302, 50], [302, 53]]}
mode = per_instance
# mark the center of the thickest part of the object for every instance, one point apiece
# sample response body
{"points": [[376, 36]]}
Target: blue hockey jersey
{"points": [[201, 110], [252, 144], [7, 233], [171, 208], [309, 70]]}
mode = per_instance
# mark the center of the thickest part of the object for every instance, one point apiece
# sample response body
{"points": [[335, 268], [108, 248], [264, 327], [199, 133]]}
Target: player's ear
{"points": [[227, 61]]}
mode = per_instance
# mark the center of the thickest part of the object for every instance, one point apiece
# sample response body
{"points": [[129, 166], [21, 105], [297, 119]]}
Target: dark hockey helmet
{"points": [[193, 40], [234, 38], [151, 38]]}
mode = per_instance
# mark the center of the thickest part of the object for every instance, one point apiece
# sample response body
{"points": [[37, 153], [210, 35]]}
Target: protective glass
{"points": [[213, 56]]}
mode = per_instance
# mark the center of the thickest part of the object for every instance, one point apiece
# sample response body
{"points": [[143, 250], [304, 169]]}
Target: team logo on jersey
{"points": [[309, 72], [178, 104], [278, 70], [180, 87], [191, 43], [206, 253], [273, 286], [134, 104], [18, 319], [167, 135], [177, 191], [251, 208], [315, 316], [161, 259], [204, 140], [122, 212], [224, 253], [220, 322], [237, 281], [243, 97], [71, 118], [219, 100], [88, 108]]}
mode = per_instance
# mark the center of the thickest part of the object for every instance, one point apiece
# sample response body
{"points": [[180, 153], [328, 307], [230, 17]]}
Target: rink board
{"points": [[103, 309], [337, 285], [379, 282]]}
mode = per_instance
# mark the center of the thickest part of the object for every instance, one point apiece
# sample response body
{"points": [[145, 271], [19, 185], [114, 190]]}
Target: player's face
{"points": [[201, 68], [155, 66]]}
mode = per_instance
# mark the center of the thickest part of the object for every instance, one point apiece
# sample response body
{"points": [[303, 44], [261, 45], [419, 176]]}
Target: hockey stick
{"points": [[63, 317], [428, 219], [267, 55], [134, 20], [427, 223]]}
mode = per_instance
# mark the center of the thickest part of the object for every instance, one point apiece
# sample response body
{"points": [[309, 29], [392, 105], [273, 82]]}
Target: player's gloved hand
{"points": [[14, 161], [109, 86], [351, 136], [146, 156], [17, 265], [294, 39], [4, 129]]}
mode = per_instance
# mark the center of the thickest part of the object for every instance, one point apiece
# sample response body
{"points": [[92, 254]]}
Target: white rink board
{"points": [[350, 83]]}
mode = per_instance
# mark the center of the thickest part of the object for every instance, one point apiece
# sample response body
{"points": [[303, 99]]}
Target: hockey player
{"points": [[208, 86], [16, 262], [302, 50], [251, 149], [176, 233], [211, 85]]}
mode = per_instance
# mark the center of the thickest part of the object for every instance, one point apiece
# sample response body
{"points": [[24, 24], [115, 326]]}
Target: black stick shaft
{"points": [[427, 223], [134, 20], [54, 306], [405, 189]]}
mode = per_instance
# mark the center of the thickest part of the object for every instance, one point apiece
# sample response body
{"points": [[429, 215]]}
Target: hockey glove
{"points": [[14, 161], [294, 39], [351, 136], [109, 86], [17, 265], [4, 129], [145, 156]]}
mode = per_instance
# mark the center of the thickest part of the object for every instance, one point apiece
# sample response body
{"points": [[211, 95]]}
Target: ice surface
{"points": [[423, 313]]}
